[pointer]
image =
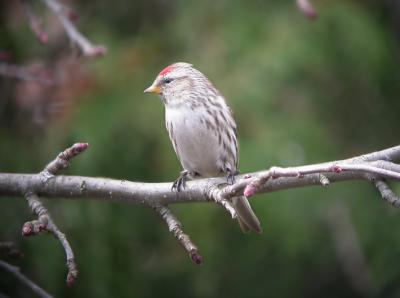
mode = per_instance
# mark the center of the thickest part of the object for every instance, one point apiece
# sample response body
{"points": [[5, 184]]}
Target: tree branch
{"points": [[386, 193], [24, 280], [25, 73], [34, 22], [371, 167], [88, 49], [60, 11], [45, 223], [175, 227]]}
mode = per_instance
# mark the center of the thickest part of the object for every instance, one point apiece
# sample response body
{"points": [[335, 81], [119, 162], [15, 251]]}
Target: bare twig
{"points": [[62, 159], [386, 193], [10, 249], [46, 223], [348, 248], [88, 49], [24, 73], [175, 227], [34, 22], [24, 280]]}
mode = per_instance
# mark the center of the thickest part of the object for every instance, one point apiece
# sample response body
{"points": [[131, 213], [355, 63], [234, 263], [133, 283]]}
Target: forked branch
{"points": [[376, 167]]}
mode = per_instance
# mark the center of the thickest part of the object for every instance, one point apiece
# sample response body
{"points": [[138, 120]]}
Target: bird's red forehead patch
{"points": [[165, 70]]}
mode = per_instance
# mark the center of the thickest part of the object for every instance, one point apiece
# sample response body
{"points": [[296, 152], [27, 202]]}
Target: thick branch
{"points": [[372, 167]]}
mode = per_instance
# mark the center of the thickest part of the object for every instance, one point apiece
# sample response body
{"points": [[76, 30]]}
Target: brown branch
{"points": [[175, 227], [24, 280], [87, 48]]}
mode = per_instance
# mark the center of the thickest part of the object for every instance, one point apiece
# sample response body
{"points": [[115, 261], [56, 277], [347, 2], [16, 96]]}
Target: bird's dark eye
{"points": [[167, 80]]}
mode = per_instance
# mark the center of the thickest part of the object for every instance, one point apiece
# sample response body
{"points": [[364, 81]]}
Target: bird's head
{"points": [[178, 83]]}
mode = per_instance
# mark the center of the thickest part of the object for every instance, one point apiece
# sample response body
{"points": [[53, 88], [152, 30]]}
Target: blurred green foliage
{"points": [[302, 92]]}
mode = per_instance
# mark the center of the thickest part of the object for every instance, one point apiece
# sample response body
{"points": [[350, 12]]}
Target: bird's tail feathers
{"points": [[247, 219]]}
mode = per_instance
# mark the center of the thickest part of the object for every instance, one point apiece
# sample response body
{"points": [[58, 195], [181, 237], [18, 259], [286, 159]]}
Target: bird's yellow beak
{"points": [[153, 89]]}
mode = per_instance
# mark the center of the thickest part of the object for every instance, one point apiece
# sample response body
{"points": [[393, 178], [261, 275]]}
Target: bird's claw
{"points": [[230, 178], [180, 182]]}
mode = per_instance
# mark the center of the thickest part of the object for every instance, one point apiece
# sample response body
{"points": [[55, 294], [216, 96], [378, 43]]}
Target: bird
{"points": [[202, 130]]}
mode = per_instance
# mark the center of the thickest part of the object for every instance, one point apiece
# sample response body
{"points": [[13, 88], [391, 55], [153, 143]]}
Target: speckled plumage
{"points": [[202, 129]]}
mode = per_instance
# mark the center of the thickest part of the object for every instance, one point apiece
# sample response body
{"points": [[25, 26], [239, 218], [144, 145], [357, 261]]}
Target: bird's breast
{"points": [[194, 141]]}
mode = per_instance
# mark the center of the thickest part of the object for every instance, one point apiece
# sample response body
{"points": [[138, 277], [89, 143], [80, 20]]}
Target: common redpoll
{"points": [[202, 131]]}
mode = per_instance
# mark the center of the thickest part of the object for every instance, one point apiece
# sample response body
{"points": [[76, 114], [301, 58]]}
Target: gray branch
{"points": [[45, 223], [24, 280], [88, 49], [373, 167], [175, 227]]}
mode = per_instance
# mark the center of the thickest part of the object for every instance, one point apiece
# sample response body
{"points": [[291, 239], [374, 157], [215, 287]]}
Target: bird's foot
{"points": [[230, 178], [180, 182]]}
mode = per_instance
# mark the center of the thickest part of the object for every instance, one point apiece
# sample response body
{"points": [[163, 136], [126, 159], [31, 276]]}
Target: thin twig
{"points": [[34, 22], [46, 223], [386, 193], [10, 249], [175, 227], [348, 248], [24, 73], [88, 49], [24, 280], [275, 172], [62, 160]]}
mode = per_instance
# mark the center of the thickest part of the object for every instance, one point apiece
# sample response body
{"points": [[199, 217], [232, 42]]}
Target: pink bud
{"points": [[42, 37], [307, 9], [70, 279], [79, 147], [97, 51], [72, 16], [337, 169], [27, 229], [249, 190], [196, 258]]}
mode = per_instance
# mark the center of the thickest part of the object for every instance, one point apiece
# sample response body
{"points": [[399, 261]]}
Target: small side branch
{"points": [[9, 249], [386, 193], [45, 223], [62, 159], [175, 227], [24, 280], [34, 22], [24, 73], [87, 48]]}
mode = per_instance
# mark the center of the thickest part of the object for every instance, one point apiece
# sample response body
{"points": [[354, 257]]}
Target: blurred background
{"points": [[303, 92]]}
